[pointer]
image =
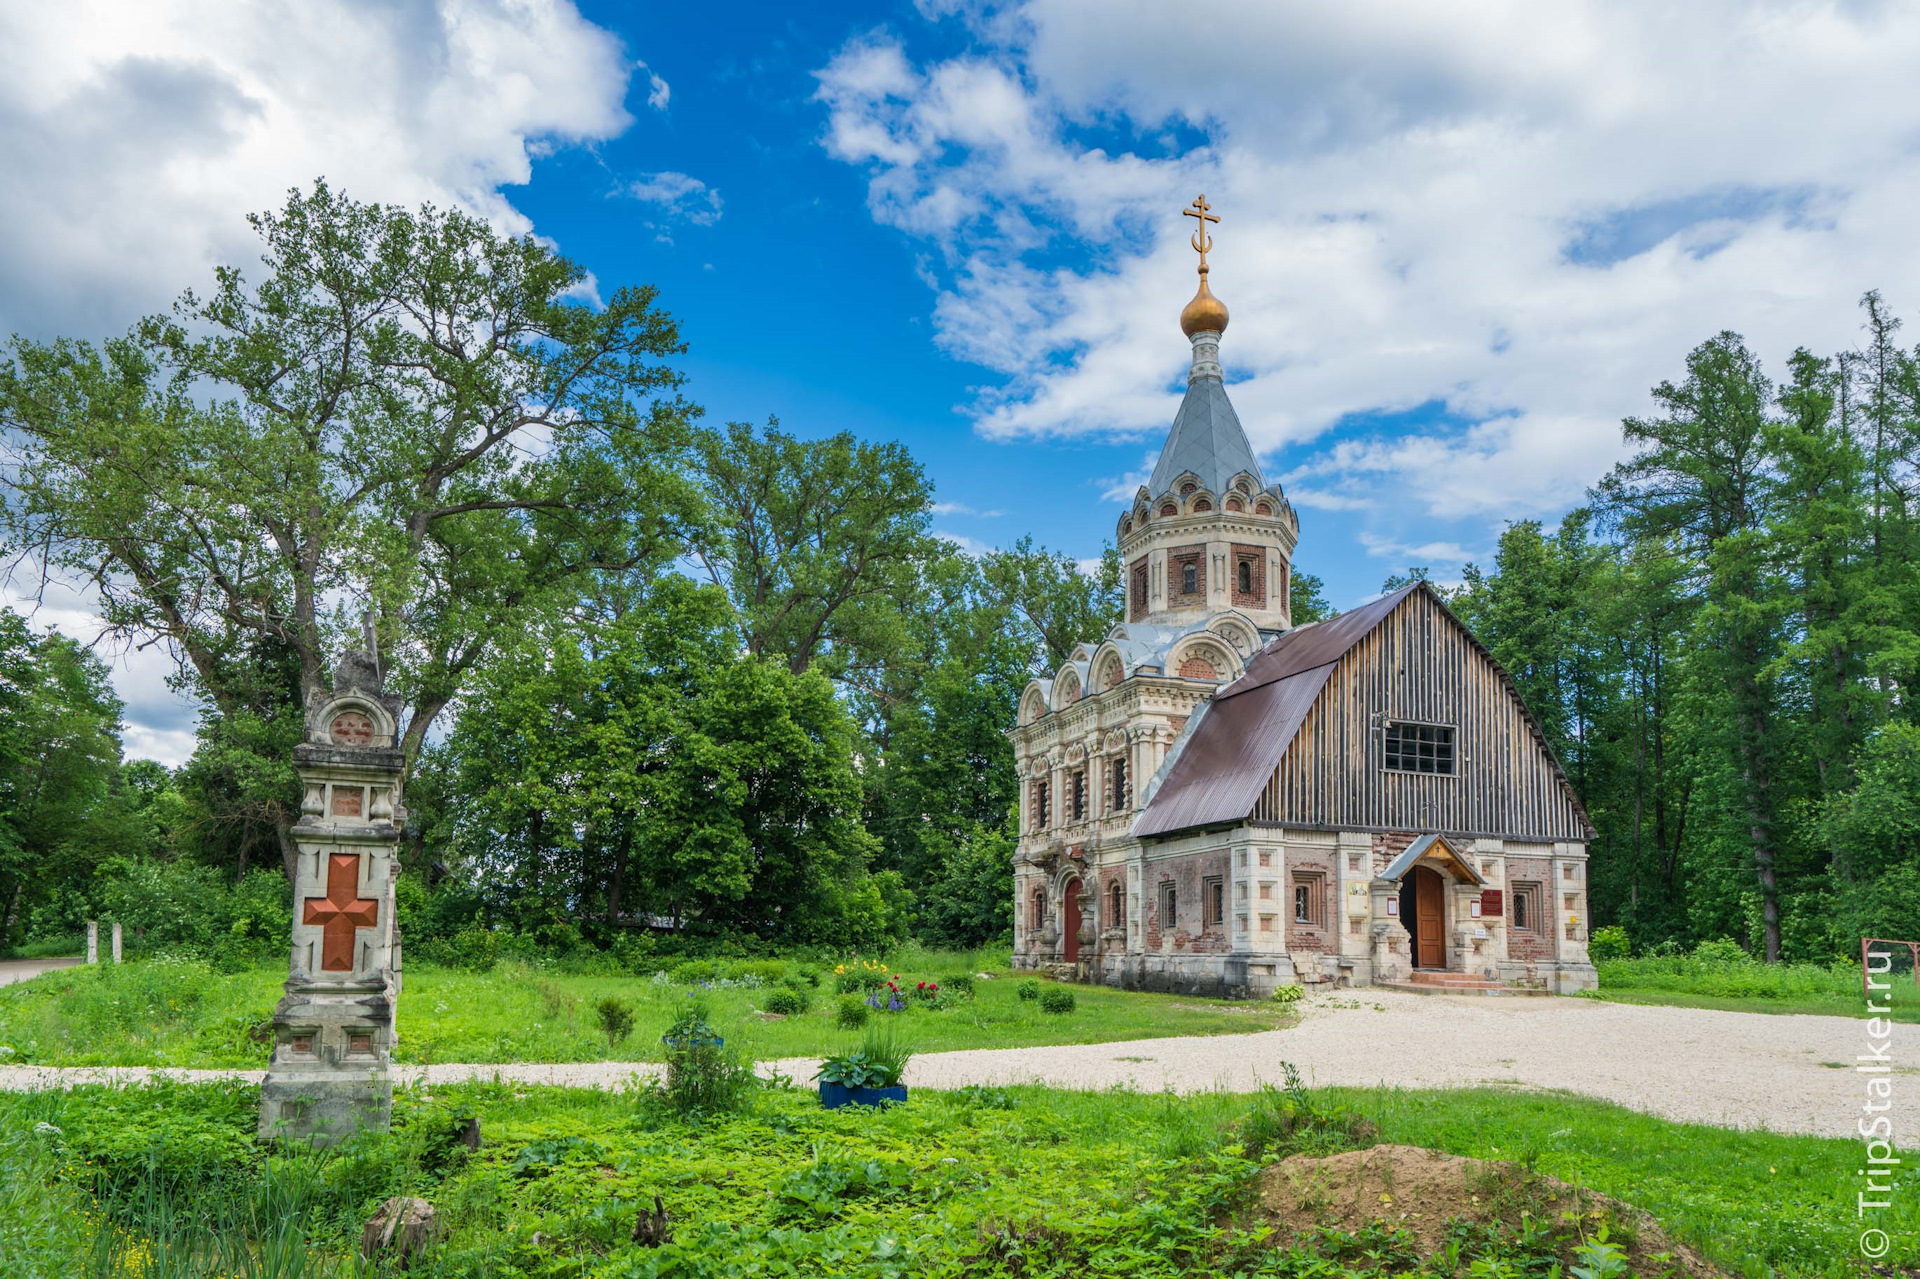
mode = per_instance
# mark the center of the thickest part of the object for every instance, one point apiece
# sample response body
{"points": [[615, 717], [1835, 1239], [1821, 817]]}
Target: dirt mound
{"points": [[1424, 1190]]}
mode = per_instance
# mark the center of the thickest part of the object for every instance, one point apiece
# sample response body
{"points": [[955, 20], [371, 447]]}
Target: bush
{"points": [[852, 1013], [785, 1001], [703, 1075], [1723, 950], [1609, 943], [1028, 990], [178, 908], [475, 949], [959, 984], [614, 1016], [1288, 1120], [925, 991], [859, 975], [1289, 995], [1058, 1001]]}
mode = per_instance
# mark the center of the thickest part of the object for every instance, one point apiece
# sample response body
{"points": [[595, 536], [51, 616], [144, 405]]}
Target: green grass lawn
{"points": [[1022, 1181], [171, 1013], [1685, 982]]}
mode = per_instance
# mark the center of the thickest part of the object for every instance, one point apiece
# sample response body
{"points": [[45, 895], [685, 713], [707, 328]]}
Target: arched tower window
{"points": [[1116, 905], [1189, 578], [1202, 504], [1246, 577]]}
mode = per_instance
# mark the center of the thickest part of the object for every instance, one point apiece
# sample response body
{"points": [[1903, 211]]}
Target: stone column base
{"points": [[332, 1057], [324, 1106]]}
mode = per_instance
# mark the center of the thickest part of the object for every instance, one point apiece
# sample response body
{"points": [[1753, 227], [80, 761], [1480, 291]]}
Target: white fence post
{"points": [[93, 941], [116, 941]]}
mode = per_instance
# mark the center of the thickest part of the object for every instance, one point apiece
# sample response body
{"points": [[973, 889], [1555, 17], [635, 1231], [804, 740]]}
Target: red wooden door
{"points": [[1429, 941], [1070, 921]]}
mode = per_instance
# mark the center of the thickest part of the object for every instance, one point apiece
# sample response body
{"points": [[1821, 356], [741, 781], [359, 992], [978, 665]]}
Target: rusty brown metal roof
{"points": [[1227, 756]]}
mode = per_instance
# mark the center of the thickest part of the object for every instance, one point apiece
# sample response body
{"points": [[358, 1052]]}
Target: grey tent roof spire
{"points": [[1207, 438]]}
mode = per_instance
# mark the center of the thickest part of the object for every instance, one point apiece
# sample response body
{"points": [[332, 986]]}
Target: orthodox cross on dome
{"points": [[1202, 242], [340, 912]]}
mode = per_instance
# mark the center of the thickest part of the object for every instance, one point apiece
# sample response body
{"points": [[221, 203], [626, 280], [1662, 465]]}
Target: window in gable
{"points": [[1420, 748]]}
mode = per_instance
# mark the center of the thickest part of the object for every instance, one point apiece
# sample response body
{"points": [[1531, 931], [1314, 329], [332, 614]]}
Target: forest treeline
{"points": [[727, 679], [1722, 646]]}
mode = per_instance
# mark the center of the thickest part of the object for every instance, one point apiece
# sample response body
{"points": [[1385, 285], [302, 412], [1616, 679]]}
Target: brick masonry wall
{"points": [[1315, 937], [1256, 558], [1531, 944], [1177, 560], [1185, 933], [1389, 846]]}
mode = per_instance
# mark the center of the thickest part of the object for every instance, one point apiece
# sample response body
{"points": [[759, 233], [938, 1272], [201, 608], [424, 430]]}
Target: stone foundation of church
{"points": [[1352, 938]]}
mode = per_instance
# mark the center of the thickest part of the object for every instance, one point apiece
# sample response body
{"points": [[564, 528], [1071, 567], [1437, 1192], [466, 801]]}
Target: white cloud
{"points": [[135, 138], [1517, 216], [680, 199], [659, 92], [968, 545], [961, 508], [1425, 554], [1122, 488]]}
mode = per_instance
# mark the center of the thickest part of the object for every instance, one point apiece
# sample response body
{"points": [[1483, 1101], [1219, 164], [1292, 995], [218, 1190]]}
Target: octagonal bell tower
{"points": [[1207, 532]]}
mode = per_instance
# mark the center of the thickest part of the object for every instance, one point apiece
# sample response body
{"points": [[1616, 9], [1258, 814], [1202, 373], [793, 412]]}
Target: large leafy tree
{"points": [[650, 768], [59, 766], [816, 542], [407, 417], [1702, 481]]}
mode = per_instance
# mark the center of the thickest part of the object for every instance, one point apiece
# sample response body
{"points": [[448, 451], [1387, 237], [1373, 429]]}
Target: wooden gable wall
{"points": [[1420, 665]]}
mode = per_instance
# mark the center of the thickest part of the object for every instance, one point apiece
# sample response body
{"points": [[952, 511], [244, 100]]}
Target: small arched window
{"points": [[1189, 578], [1187, 488], [1126, 527], [1242, 485], [1202, 504], [1169, 509], [1246, 577], [1235, 504], [1262, 509], [1116, 905], [1038, 915]]}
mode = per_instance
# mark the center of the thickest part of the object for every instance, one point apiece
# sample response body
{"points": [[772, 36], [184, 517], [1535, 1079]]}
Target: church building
{"points": [[1216, 801]]}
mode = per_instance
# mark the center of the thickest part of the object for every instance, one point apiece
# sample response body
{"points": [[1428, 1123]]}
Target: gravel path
{"points": [[13, 970], [1743, 1070]]}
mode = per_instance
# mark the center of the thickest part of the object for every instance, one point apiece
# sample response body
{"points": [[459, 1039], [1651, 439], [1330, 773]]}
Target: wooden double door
{"points": [[1423, 912]]}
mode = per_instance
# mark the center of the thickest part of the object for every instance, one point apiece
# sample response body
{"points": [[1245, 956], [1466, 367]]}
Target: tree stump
{"points": [[651, 1229], [403, 1229]]}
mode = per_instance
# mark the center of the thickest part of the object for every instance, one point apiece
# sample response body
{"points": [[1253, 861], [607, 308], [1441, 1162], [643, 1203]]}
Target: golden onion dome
{"points": [[1206, 313]]}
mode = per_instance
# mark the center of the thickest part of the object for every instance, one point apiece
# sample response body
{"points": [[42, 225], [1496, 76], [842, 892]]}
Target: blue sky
{"points": [[1459, 242], [795, 301]]}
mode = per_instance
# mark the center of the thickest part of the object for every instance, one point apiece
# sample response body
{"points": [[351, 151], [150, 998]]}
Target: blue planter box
{"points": [[834, 1096]]}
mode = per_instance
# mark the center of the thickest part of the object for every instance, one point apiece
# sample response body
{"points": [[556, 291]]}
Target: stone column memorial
{"points": [[333, 1030]]}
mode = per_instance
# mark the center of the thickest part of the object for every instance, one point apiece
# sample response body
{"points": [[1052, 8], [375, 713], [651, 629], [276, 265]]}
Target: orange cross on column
{"points": [[340, 912]]}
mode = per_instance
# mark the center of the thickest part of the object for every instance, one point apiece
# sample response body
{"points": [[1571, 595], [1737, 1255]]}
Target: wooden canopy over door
{"points": [[1070, 921]]}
